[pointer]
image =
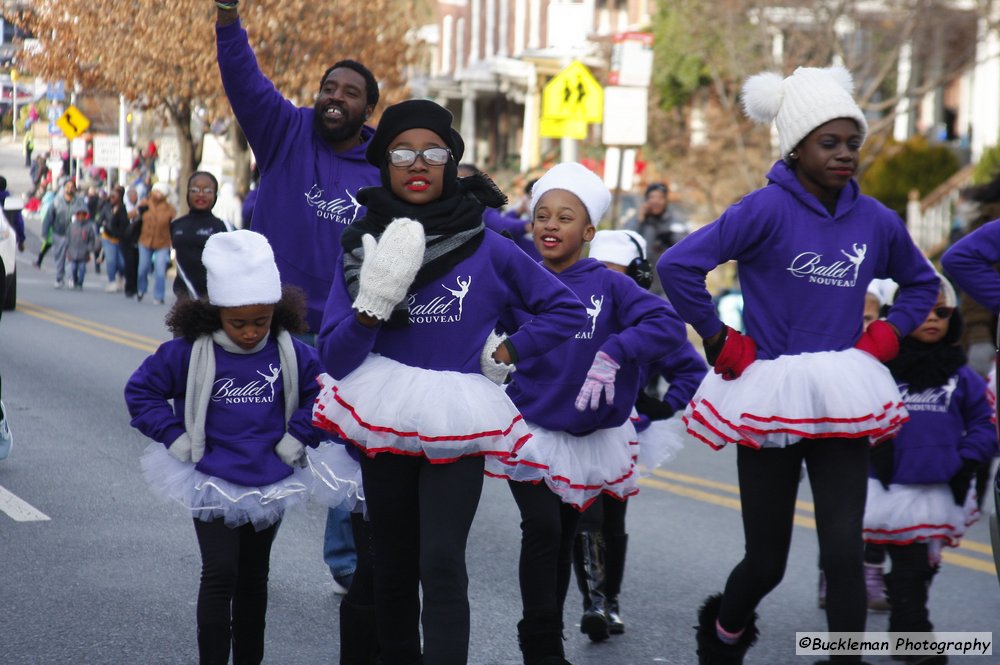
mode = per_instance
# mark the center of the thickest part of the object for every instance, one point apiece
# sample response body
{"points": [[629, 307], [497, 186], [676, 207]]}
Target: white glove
{"points": [[181, 448], [497, 372], [390, 265], [600, 377], [291, 451]]}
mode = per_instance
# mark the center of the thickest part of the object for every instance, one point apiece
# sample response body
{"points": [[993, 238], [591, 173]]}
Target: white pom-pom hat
{"points": [[800, 103], [578, 180], [241, 270]]}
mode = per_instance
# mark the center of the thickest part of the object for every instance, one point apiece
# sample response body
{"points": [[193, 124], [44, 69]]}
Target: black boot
{"points": [[213, 644], [907, 587], [358, 640], [614, 571], [540, 636], [712, 650], [588, 562]]}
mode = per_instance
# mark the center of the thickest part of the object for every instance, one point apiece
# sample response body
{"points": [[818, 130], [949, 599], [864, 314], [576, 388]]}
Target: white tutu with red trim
{"points": [[660, 442], [905, 514], [386, 406], [209, 498], [335, 477], [577, 468], [776, 403]]}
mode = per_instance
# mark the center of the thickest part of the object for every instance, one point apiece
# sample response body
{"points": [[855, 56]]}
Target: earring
{"points": [[794, 154]]}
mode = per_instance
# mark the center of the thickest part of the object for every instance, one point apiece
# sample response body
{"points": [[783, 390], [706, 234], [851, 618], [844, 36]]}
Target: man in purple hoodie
{"points": [[311, 163]]}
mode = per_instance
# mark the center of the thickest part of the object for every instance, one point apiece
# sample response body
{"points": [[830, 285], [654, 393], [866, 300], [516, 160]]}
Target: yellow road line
{"points": [[124, 337]]}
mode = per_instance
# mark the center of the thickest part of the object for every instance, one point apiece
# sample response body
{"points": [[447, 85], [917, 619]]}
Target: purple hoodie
{"points": [[948, 424], [306, 192], [246, 414], [451, 318], [970, 263], [627, 322], [510, 224], [683, 369], [803, 271]]}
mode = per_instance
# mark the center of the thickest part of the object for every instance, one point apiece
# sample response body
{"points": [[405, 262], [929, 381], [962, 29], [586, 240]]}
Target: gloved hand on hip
{"points": [[882, 459], [731, 353], [181, 448], [291, 451], [389, 267], [492, 369], [880, 340], [600, 378], [962, 480]]}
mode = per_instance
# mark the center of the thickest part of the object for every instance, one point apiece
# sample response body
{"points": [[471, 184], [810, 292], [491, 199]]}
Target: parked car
{"points": [[8, 252]]}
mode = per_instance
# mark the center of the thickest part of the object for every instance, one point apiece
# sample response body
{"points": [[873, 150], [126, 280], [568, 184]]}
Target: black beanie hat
{"points": [[412, 114]]}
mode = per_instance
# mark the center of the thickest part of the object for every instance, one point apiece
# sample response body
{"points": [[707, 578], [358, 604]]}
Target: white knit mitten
{"points": [[181, 448], [497, 372], [291, 451], [390, 265]]}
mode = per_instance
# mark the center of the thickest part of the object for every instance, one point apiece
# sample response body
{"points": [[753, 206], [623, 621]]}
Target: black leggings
{"points": [[233, 594], [421, 514], [606, 516], [769, 482], [548, 527]]}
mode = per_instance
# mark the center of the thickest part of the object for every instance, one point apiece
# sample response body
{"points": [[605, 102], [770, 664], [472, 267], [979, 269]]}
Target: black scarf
{"points": [[453, 226], [922, 365]]}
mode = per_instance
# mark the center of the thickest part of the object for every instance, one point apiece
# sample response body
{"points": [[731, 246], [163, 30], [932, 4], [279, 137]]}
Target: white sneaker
{"points": [[57, 285], [111, 287], [6, 438]]}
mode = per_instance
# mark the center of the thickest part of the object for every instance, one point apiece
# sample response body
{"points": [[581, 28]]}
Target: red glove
{"points": [[880, 340], [731, 354]]}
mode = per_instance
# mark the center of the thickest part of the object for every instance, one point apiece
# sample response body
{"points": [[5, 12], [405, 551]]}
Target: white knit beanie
{"points": [[808, 98], [618, 247], [578, 180], [241, 270]]}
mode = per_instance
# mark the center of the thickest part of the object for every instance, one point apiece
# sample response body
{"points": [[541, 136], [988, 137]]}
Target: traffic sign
{"points": [[573, 94], [625, 111], [72, 122], [557, 128], [107, 152]]}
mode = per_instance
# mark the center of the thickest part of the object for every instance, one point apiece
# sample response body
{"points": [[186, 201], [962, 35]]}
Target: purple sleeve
{"points": [[650, 327], [918, 282], [501, 222], [979, 442], [970, 263], [684, 370], [558, 313], [300, 425], [161, 377], [264, 115], [18, 225], [343, 343]]}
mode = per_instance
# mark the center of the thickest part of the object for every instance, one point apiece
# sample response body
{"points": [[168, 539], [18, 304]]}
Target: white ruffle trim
{"points": [[386, 406], [776, 403], [660, 443], [335, 477], [916, 513], [577, 468]]}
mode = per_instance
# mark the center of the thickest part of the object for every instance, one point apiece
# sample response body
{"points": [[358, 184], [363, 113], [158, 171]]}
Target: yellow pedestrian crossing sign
{"points": [[573, 94], [72, 122]]}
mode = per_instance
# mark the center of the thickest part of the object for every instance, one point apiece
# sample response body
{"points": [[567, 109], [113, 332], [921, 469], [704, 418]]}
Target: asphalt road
{"points": [[94, 570]]}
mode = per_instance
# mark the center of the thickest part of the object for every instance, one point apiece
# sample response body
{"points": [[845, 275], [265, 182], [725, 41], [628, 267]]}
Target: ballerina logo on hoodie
{"points": [[593, 312], [838, 273], [936, 399], [228, 390], [441, 309], [341, 210]]}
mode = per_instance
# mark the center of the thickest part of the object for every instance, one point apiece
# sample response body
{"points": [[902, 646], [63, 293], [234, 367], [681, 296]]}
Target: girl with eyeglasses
{"points": [[415, 370], [921, 496], [189, 233]]}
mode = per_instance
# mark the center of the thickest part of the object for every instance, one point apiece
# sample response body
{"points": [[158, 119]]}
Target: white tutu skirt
{"points": [[386, 406], [991, 392], [775, 403], [660, 442], [577, 468], [916, 513], [335, 477]]}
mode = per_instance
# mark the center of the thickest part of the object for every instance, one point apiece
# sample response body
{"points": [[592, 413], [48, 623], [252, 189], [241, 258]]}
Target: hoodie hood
{"points": [[783, 175]]}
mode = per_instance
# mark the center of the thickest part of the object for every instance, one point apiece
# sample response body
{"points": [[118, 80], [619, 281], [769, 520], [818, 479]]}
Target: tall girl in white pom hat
{"points": [[414, 366], [232, 446], [805, 383]]}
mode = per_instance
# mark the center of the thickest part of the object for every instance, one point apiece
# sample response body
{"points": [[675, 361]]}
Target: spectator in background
{"points": [[129, 244], [188, 235], [154, 242], [57, 220], [660, 225], [12, 206], [113, 224]]}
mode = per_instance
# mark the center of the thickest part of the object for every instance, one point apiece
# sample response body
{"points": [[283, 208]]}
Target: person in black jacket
{"points": [[112, 221], [189, 233]]}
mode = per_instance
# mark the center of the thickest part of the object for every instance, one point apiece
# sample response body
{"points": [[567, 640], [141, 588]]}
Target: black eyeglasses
{"points": [[943, 312], [402, 157]]}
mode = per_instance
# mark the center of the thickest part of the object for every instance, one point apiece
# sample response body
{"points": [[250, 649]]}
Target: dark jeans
{"points": [[769, 481], [130, 258], [232, 598], [548, 527], [421, 514]]}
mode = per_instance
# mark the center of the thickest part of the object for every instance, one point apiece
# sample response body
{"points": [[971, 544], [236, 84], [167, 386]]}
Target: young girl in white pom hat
{"points": [[231, 446], [577, 400], [804, 383], [414, 370]]}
